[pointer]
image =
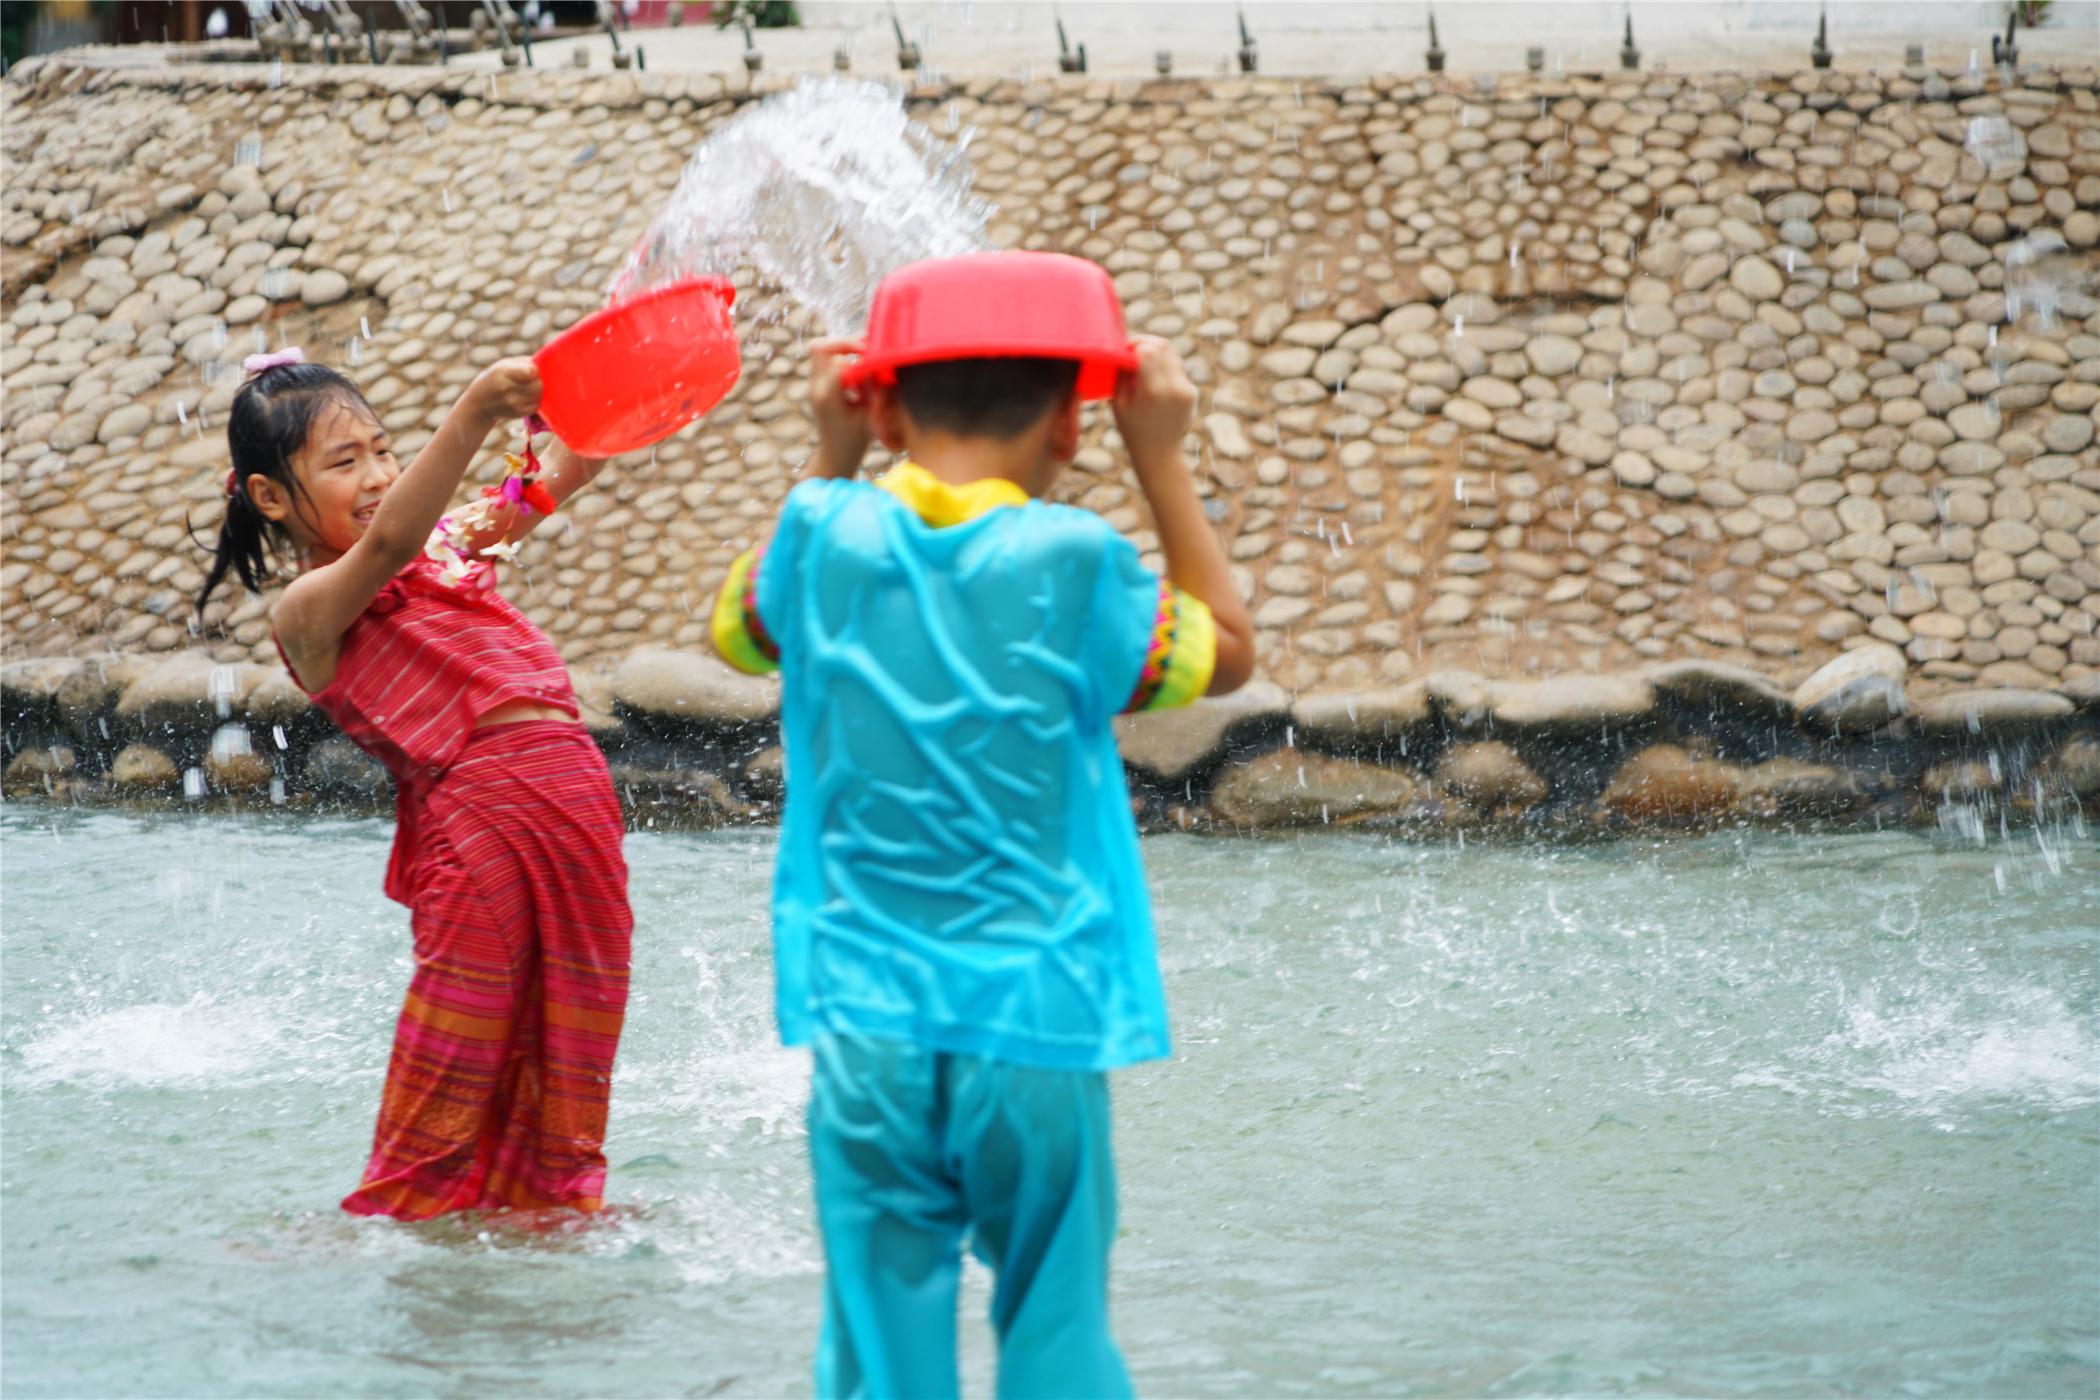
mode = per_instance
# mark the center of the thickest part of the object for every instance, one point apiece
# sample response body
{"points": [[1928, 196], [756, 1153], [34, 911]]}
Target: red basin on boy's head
{"points": [[637, 372], [996, 305]]}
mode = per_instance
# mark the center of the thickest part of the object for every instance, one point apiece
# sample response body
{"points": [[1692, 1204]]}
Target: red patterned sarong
{"points": [[497, 1092]]}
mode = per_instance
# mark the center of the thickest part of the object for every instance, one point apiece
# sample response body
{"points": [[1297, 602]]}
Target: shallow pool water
{"points": [[1736, 1115]]}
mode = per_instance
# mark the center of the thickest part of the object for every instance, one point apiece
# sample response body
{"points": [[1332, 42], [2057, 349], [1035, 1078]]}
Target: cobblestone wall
{"points": [[1525, 378]]}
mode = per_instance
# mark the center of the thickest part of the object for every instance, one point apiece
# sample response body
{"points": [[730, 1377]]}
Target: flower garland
{"points": [[520, 489]]}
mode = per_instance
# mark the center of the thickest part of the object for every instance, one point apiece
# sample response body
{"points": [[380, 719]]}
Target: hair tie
{"points": [[256, 364], [233, 483]]}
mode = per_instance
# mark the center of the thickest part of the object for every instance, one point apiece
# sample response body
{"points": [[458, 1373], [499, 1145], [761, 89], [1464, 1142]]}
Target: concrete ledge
{"points": [[1684, 744]]}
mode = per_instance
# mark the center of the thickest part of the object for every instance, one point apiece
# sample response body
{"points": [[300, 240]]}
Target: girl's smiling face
{"points": [[343, 471]]}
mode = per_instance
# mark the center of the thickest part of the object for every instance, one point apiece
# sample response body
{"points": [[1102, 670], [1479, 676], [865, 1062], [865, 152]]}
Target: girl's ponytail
{"points": [[245, 544]]}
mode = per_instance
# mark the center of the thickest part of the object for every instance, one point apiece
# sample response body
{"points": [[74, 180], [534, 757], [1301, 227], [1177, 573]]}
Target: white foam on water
{"points": [[764, 1087], [2028, 1047], [196, 1043], [824, 189], [717, 1236]]}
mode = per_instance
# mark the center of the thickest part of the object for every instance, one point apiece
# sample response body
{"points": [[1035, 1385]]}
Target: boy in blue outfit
{"points": [[961, 927]]}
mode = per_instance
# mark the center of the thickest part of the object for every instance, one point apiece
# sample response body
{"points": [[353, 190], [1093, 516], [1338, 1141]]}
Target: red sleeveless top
{"points": [[421, 664]]}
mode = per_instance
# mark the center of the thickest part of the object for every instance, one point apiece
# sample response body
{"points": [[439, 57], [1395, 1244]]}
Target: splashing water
{"points": [[824, 189], [1846, 1085], [1997, 145], [2037, 270]]}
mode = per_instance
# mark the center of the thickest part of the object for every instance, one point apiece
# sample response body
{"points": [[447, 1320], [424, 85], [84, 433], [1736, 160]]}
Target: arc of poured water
{"points": [[823, 189]]}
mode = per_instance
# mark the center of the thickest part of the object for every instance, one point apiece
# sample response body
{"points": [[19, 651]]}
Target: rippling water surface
{"points": [[1735, 1115]]}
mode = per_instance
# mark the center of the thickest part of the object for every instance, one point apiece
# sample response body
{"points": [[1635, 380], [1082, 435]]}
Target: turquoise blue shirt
{"points": [[958, 862]]}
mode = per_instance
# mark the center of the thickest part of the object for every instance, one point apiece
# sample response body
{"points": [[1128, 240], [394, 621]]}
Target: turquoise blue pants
{"points": [[913, 1149]]}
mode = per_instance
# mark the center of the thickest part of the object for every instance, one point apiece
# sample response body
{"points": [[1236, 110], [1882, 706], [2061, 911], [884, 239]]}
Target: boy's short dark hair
{"points": [[995, 398]]}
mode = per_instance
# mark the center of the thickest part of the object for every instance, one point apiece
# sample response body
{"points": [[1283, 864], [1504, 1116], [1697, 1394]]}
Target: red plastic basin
{"points": [[995, 305], [637, 372]]}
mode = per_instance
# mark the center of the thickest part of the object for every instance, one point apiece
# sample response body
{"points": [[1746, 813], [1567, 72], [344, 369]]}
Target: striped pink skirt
{"points": [[501, 1075]]}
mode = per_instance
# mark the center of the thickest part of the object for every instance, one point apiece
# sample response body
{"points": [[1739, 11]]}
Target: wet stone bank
{"points": [[692, 743]]}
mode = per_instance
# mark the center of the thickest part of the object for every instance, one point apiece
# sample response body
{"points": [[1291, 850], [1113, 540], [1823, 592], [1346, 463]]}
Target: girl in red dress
{"points": [[507, 849]]}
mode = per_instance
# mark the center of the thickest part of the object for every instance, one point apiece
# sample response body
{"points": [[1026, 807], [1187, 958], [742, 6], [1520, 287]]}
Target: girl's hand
{"points": [[843, 431], [506, 389], [1154, 405]]}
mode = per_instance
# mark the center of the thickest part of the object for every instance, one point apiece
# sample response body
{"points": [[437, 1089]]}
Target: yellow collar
{"points": [[941, 505]]}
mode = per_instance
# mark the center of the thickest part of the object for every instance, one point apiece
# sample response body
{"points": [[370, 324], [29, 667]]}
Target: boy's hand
{"points": [[506, 389], [1155, 403], [843, 432]]}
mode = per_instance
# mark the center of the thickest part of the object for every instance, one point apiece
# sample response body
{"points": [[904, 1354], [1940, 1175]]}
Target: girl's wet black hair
{"points": [[273, 414]]}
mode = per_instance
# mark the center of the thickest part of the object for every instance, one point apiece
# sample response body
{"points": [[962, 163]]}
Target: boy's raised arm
{"points": [[1153, 408], [843, 431]]}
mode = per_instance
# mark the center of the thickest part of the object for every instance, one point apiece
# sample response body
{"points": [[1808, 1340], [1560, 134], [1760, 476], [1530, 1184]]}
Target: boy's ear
{"points": [[1065, 429], [886, 416]]}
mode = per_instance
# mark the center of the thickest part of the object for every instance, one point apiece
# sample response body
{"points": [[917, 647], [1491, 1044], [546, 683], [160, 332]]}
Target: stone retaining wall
{"points": [[1538, 378]]}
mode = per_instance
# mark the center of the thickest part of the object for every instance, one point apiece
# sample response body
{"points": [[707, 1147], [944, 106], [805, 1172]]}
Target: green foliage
{"points": [[763, 14], [2033, 13], [14, 32]]}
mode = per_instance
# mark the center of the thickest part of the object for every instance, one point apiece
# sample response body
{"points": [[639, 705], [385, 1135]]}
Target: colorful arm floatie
{"points": [[740, 638], [1182, 656]]}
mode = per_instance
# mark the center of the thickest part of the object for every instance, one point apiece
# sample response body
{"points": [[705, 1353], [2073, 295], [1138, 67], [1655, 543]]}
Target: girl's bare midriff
{"points": [[520, 711]]}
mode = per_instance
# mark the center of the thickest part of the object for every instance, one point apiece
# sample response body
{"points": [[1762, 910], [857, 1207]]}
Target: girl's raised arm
{"points": [[319, 606]]}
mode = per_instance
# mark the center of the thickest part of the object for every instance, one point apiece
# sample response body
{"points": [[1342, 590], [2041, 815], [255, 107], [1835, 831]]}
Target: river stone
{"points": [[1461, 699], [1583, 445], [29, 693], [339, 770], [658, 685], [1960, 778], [180, 691], [2075, 767], [1900, 296], [1790, 788], [1362, 719], [2070, 432], [1668, 783], [1291, 788], [1704, 270], [595, 705], [1717, 688], [1990, 711], [1974, 422], [1491, 777], [1495, 393], [1556, 355], [143, 768], [1966, 458], [277, 699], [764, 776], [323, 287], [87, 694], [1756, 279], [1573, 702], [1317, 334], [238, 772], [1170, 744], [1863, 689], [681, 797], [1227, 437], [38, 770], [2082, 691]]}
